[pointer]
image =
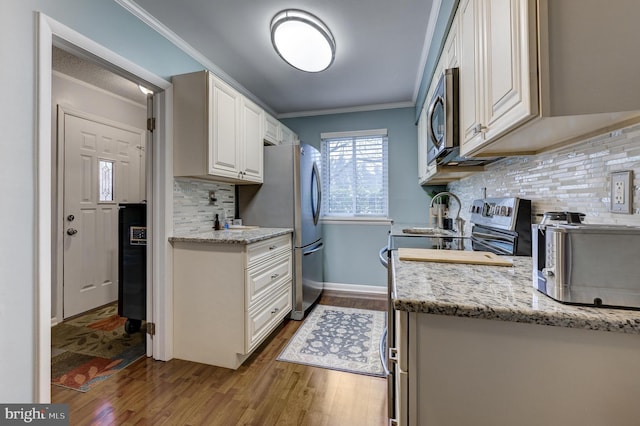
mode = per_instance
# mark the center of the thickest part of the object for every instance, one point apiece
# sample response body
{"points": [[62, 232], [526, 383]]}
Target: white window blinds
{"points": [[355, 177]]}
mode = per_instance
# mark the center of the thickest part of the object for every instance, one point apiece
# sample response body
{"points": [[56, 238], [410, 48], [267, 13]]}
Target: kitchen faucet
{"points": [[459, 221]]}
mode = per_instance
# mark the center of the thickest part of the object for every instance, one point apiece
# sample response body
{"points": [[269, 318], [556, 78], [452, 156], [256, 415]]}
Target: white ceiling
{"points": [[379, 59], [90, 72]]}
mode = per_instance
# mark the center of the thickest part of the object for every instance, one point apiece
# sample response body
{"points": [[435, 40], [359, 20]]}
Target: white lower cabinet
{"points": [[469, 371], [264, 317], [228, 298]]}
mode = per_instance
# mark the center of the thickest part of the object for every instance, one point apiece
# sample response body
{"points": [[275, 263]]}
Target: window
{"points": [[355, 180], [105, 180]]}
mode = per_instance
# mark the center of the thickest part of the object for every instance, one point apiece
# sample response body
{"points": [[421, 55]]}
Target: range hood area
{"points": [[454, 159]]}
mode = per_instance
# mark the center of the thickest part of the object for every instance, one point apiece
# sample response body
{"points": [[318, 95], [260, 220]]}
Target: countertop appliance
{"points": [[587, 264], [132, 264], [290, 197], [501, 226], [442, 116]]}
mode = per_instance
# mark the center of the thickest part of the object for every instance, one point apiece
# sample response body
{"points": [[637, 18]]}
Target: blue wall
{"points": [[351, 255]]}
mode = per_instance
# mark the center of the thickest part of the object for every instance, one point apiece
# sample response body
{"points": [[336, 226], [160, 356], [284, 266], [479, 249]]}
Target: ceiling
{"points": [[90, 72], [380, 54]]}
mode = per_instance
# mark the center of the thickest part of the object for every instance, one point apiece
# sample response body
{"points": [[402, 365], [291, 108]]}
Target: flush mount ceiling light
{"points": [[302, 40]]}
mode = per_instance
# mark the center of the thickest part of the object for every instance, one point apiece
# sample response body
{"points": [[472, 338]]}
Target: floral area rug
{"points": [[344, 339], [89, 349]]}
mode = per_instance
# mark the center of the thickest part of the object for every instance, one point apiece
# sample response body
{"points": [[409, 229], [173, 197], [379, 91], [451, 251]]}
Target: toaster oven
{"points": [[588, 264]]}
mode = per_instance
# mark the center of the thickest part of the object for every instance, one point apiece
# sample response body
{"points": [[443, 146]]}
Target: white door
{"points": [[103, 166]]}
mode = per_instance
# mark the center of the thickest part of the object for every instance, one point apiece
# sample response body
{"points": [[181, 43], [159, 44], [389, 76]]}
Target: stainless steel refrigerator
{"points": [[290, 196]]}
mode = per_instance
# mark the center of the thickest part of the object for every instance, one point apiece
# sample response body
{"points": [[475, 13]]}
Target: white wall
{"points": [[108, 24]]}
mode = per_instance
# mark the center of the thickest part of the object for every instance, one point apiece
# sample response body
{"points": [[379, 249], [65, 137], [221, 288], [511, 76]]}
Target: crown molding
{"points": [[181, 44], [363, 108]]}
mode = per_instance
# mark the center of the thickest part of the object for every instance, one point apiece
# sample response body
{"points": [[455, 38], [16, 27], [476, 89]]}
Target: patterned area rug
{"points": [[89, 349], [344, 339]]}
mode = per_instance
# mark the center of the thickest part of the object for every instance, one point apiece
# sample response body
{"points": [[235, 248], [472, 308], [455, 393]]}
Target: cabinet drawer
{"points": [[261, 250], [264, 318], [266, 276]]}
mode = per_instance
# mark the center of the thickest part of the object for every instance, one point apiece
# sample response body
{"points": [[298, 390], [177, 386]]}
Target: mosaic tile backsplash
{"points": [[575, 178], [192, 211]]}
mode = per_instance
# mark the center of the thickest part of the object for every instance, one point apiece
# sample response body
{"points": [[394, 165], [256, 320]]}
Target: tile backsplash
{"points": [[192, 211], [575, 178]]}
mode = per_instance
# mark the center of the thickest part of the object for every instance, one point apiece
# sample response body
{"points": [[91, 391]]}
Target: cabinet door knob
{"points": [[274, 276], [273, 247], [275, 310]]}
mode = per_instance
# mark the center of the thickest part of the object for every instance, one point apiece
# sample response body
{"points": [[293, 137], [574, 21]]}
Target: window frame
{"points": [[373, 219]]}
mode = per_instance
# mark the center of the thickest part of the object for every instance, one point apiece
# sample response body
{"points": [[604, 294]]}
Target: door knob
{"points": [[72, 231], [70, 218]]}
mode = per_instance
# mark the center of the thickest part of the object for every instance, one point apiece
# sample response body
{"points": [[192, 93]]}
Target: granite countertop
{"points": [[496, 293], [230, 236]]}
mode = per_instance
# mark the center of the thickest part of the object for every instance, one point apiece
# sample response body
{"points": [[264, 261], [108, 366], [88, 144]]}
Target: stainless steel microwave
{"points": [[442, 117]]}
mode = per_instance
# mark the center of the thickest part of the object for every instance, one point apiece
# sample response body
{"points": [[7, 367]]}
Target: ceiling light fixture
{"points": [[302, 40]]}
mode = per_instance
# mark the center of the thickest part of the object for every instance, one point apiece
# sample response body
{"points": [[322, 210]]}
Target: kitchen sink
{"points": [[432, 232]]}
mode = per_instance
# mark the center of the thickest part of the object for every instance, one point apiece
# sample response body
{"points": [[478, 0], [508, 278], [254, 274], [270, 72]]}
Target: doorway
{"points": [[101, 163], [159, 179]]}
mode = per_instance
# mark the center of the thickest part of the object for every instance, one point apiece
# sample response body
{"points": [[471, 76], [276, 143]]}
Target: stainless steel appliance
{"points": [[501, 226], [442, 116], [443, 137], [587, 264], [132, 264], [290, 197]]}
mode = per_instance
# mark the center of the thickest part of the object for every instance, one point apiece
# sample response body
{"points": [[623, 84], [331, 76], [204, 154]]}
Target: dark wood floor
{"points": [[262, 391]]}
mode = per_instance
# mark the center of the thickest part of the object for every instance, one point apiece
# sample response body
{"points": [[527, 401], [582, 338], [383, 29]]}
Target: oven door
{"points": [[493, 240]]}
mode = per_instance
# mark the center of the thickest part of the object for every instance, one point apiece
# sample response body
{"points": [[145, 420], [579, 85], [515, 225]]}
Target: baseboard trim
{"points": [[362, 291]]}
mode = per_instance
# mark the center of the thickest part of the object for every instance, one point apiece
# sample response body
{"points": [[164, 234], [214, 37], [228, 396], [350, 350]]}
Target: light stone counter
{"points": [[231, 236], [496, 293]]}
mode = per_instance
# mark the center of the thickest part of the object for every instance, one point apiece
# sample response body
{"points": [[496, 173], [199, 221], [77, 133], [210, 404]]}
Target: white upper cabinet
{"points": [[224, 130], [422, 146], [252, 136], [217, 132], [497, 91], [539, 74], [288, 136], [272, 133], [470, 73], [276, 133]]}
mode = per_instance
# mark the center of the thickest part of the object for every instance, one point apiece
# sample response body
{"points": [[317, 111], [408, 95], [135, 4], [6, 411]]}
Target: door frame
{"points": [[159, 192]]}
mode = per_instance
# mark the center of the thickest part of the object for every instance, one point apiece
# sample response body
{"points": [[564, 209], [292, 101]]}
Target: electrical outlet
{"points": [[621, 194]]}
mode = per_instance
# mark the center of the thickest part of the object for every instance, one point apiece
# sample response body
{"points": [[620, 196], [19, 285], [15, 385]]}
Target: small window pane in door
{"points": [[105, 179]]}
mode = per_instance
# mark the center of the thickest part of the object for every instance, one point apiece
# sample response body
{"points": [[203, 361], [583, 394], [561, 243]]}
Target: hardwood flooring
{"points": [[262, 391]]}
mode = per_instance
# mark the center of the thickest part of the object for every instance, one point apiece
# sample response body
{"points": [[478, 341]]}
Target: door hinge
{"points": [[151, 124], [151, 328]]}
